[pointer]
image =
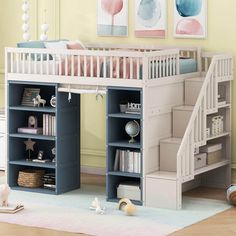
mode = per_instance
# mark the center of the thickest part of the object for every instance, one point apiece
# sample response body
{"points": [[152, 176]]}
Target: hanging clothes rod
{"points": [[83, 90]]}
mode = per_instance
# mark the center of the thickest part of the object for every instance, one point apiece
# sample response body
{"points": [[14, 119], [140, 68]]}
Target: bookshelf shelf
{"points": [[125, 144], [66, 125], [50, 165], [125, 115], [118, 199], [127, 174], [33, 136], [33, 109], [122, 155], [35, 190]]}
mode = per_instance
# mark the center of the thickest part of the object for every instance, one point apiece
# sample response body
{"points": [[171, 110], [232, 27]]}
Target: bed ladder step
{"points": [[192, 89], [181, 116]]}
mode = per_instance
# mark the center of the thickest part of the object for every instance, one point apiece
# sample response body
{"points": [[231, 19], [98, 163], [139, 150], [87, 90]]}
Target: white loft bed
{"points": [[157, 70]]}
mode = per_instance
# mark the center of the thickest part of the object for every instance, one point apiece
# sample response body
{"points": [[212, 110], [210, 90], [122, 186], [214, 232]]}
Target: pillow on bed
{"points": [[76, 45], [37, 44], [56, 45]]}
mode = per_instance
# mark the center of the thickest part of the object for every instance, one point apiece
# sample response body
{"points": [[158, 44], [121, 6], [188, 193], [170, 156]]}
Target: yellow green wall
{"points": [[76, 19]]}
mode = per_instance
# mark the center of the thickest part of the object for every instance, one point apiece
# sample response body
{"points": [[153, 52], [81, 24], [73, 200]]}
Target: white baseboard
{"points": [[93, 170]]}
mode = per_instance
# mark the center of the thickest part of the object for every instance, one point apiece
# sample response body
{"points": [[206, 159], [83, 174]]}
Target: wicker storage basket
{"points": [[31, 178]]}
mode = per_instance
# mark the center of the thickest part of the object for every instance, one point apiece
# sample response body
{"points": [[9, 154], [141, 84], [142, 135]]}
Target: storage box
{"points": [[214, 153], [129, 190], [200, 160]]}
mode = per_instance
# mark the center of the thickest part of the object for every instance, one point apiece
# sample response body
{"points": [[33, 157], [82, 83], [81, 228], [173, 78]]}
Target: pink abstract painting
{"points": [[150, 18], [112, 17], [190, 18]]}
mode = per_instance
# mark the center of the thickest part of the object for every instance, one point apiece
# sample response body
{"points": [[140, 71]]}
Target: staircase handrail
{"points": [[190, 126]]}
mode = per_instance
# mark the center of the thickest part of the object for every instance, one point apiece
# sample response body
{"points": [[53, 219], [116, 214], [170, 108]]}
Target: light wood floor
{"points": [[222, 224]]}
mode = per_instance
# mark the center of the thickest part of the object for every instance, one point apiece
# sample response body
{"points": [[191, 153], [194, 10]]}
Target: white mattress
{"points": [[36, 67]]}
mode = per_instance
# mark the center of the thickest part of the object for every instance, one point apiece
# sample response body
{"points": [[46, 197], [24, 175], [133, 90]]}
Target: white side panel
{"points": [[161, 193]]}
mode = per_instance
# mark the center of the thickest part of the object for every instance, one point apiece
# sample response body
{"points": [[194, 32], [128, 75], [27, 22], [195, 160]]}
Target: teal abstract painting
{"points": [[150, 18], [190, 18]]}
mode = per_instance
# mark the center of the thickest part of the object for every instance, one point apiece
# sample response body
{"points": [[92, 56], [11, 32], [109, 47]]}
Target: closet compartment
{"points": [[60, 124], [124, 152]]}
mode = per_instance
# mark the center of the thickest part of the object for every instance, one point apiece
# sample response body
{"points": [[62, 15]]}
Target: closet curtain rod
{"points": [[82, 91]]}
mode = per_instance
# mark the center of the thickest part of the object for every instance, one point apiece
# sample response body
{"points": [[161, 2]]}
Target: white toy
{"points": [[4, 193], [38, 100], [127, 206], [96, 205]]}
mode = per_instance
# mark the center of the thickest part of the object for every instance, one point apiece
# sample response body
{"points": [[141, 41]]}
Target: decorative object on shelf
{"points": [[32, 127], [54, 154], [25, 19], [190, 17], [53, 101], [38, 100], [4, 193], [96, 206], [208, 132], [132, 128], [40, 155], [150, 18], [231, 194], [40, 158], [30, 178], [107, 23], [127, 206], [32, 122], [133, 108], [44, 28], [29, 147], [216, 124], [28, 95]]}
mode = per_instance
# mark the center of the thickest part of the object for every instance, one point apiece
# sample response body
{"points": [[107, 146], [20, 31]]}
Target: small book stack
{"points": [[127, 161], [49, 181], [49, 125], [29, 130], [11, 208]]}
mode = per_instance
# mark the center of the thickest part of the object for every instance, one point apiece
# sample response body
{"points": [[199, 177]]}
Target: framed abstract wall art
{"points": [[150, 18], [190, 18], [112, 17]]}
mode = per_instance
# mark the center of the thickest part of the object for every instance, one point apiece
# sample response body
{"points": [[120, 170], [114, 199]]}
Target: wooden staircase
{"points": [[189, 123]]}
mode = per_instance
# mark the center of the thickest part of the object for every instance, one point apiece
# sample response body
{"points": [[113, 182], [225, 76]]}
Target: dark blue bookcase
{"points": [[66, 141], [117, 138]]}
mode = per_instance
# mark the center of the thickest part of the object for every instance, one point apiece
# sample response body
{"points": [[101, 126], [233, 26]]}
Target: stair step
{"points": [[192, 89], [181, 116], [163, 175], [168, 154]]}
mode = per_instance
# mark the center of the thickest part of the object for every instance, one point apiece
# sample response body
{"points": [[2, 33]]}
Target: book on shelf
{"points": [[29, 130], [49, 125], [28, 96], [127, 161], [11, 208], [49, 186]]}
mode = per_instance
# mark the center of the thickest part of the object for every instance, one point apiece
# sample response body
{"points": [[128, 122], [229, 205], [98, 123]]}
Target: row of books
{"points": [[49, 181], [127, 161], [49, 125]]}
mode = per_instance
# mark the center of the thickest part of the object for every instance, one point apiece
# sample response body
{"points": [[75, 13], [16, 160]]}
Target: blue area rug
{"points": [[70, 212]]}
